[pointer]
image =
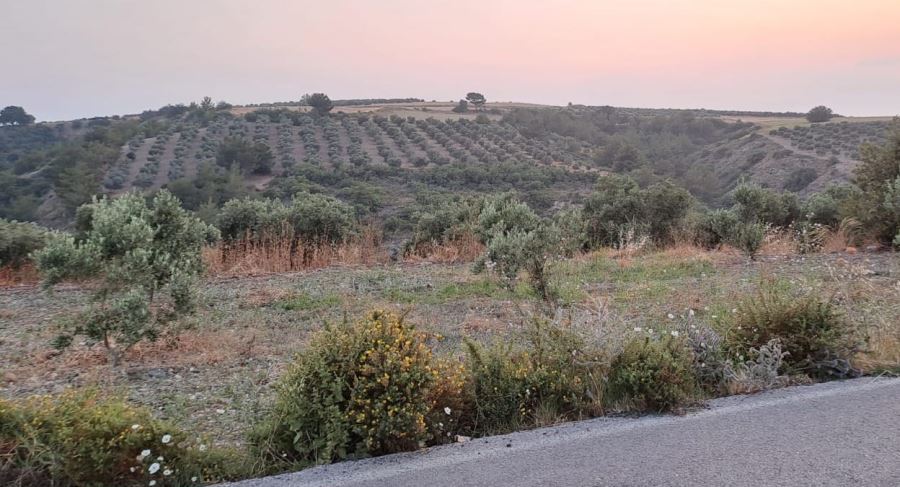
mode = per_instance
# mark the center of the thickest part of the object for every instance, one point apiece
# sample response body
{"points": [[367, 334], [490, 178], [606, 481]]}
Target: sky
{"points": [[68, 59]]}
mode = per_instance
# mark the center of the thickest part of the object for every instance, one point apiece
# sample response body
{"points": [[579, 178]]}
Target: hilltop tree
{"points": [[476, 99], [461, 107], [319, 102], [13, 115], [144, 260], [818, 114]]}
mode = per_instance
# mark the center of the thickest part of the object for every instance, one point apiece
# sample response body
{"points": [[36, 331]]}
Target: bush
{"points": [[617, 201], [355, 391], [715, 228], [83, 439], [251, 157], [709, 356], [749, 237], [822, 209], [18, 240], [816, 337], [503, 213], [754, 203], [761, 372], [311, 218], [652, 374], [557, 374], [877, 204]]}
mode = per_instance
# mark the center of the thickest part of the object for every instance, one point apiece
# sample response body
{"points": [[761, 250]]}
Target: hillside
{"points": [[385, 156]]}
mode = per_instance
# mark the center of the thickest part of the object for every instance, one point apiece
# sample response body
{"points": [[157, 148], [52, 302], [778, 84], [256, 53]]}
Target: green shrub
{"points": [[504, 213], [652, 374], [823, 209], [715, 228], [877, 204], [18, 240], [356, 390], [818, 340], [311, 218], [754, 203], [749, 237], [83, 439], [555, 375], [251, 157], [617, 201]]}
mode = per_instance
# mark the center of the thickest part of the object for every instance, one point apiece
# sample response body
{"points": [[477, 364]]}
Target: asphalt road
{"points": [[834, 434]]}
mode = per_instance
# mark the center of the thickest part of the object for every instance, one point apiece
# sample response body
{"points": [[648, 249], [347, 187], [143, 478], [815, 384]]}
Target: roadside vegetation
{"points": [[182, 346]]}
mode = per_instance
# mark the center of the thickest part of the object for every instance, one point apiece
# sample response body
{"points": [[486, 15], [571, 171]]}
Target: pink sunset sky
{"points": [[76, 58]]}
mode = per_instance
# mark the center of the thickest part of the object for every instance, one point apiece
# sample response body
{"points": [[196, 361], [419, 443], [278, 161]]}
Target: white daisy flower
{"points": [[167, 472], [135, 427], [154, 467], [447, 410], [674, 333], [166, 439]]}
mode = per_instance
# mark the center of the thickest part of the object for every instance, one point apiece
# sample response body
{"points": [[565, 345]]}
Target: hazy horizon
{"points": [[103, 57]]}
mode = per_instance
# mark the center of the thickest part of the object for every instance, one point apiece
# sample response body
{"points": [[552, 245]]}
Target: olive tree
{"points": [[144, 260], [517, 240], [17, 240]]}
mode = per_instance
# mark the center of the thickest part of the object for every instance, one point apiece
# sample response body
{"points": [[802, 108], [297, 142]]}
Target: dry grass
{"points": [[882, 353], [26, 274], [778, 242], [185, 349], [467, 248], [253, 257]]}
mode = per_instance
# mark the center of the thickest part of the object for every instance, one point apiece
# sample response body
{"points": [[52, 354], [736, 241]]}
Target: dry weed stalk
{"points": [[25, 274], [465, 248], [279, 253]]}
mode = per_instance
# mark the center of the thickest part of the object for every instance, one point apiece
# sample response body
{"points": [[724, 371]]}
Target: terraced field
{"points": [[329, 142], [839, 139]]}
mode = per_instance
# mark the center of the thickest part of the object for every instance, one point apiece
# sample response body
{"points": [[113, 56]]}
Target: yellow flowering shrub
{"points": [[357, 390], [451, 402], [81, 438]]}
